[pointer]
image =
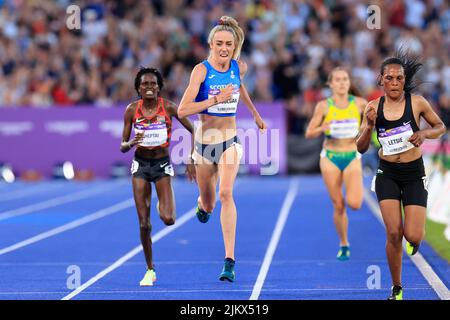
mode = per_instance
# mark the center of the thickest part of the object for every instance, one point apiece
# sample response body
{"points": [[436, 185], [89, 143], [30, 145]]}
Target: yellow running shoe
{"points": [[396, 293], [149, 278], [411, 248]]}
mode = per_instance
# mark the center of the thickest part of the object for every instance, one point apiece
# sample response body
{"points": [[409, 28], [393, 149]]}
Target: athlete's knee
{"points": [[354, 203], [207, 205], [394, 235], [168, 219], [414, 237], [145, 225], [339, 206], [225, 194], [166, 213]]}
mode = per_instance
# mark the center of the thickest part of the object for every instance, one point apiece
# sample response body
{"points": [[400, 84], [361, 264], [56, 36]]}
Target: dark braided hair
{"points": [[411, 65], [141, 72]]}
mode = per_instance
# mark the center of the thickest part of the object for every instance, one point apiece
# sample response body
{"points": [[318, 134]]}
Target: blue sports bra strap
{"points": [[236, 64], [207, 65]]}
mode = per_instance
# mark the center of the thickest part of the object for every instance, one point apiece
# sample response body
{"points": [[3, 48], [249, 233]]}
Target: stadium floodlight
{"points": [[64, 170], [6, 173], [69, 172]]}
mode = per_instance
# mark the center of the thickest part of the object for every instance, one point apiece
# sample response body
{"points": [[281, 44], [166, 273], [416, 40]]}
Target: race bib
{"points": [[155, 134], [344, 129], [394, 141], [229, 106]]}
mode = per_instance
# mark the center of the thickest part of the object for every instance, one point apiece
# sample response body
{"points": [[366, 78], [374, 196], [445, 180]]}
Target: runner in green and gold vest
{"points": [[339, 118]]}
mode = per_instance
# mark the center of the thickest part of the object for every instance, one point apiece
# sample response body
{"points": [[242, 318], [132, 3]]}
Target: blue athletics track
{"points": [[80, 241]]}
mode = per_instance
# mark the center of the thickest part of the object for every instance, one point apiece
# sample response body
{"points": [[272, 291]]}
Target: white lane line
{"points": [[178, 262], [71, 225], [54, 202], [154, 290], [284, 213], [418, 260], [161, 234], [13, 195]]}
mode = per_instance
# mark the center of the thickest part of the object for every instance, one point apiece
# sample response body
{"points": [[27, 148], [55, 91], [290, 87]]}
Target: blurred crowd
{"points": [[290, 47]]}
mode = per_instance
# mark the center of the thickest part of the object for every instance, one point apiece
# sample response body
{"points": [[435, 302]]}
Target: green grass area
{"points": [[435, 237], [435, 231]]}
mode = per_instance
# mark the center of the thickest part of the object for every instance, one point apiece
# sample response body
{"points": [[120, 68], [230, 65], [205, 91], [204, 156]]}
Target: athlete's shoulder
{"points": [[419, 102], [200, 67], [199, 71], [242, 66], [168, 103], [417, 98], [241, 63], [132, 105], [373, 103], [322, 105], [170, 106], [360, 102], [130, 110]]}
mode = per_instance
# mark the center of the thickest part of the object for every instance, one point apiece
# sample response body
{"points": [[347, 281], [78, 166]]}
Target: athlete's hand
{"points": [[137, 139], [325, 126], [225, 94], [371, 116], [260, 123], [190, 172], [417, 138]]}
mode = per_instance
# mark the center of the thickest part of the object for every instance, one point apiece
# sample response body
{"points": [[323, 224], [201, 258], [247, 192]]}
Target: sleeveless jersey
{"points": [[157, 128], [393, 135], [344, 123], [214, 82]]}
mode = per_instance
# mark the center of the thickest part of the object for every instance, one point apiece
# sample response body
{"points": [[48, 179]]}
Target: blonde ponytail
{"points": [[227, 23]]}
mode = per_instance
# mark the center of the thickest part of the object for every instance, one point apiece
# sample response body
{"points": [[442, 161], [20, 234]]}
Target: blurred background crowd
{"points": [[290, 48]]}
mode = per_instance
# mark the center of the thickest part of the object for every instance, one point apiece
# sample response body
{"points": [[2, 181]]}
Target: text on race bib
{"points": [[155, 134], [229, 106], [344, 129], [395, 140]]}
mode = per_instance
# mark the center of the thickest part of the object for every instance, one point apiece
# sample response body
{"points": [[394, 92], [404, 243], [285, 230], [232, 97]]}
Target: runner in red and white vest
{"points": [[151, 119]]}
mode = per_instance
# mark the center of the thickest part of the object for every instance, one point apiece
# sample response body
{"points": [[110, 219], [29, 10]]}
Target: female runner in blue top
{"points": [[214, 90]]}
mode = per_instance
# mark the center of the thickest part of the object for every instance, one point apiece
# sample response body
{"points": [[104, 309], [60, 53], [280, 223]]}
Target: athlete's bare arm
{"points": [[247, 100], [316, 125], [188, 106], [361, 103], [425, 110], [172, 110], [127, 145], [368, 123]]}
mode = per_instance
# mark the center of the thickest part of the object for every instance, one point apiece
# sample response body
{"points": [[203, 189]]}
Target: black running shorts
{"points": [[151, 169], [402, 181]]}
